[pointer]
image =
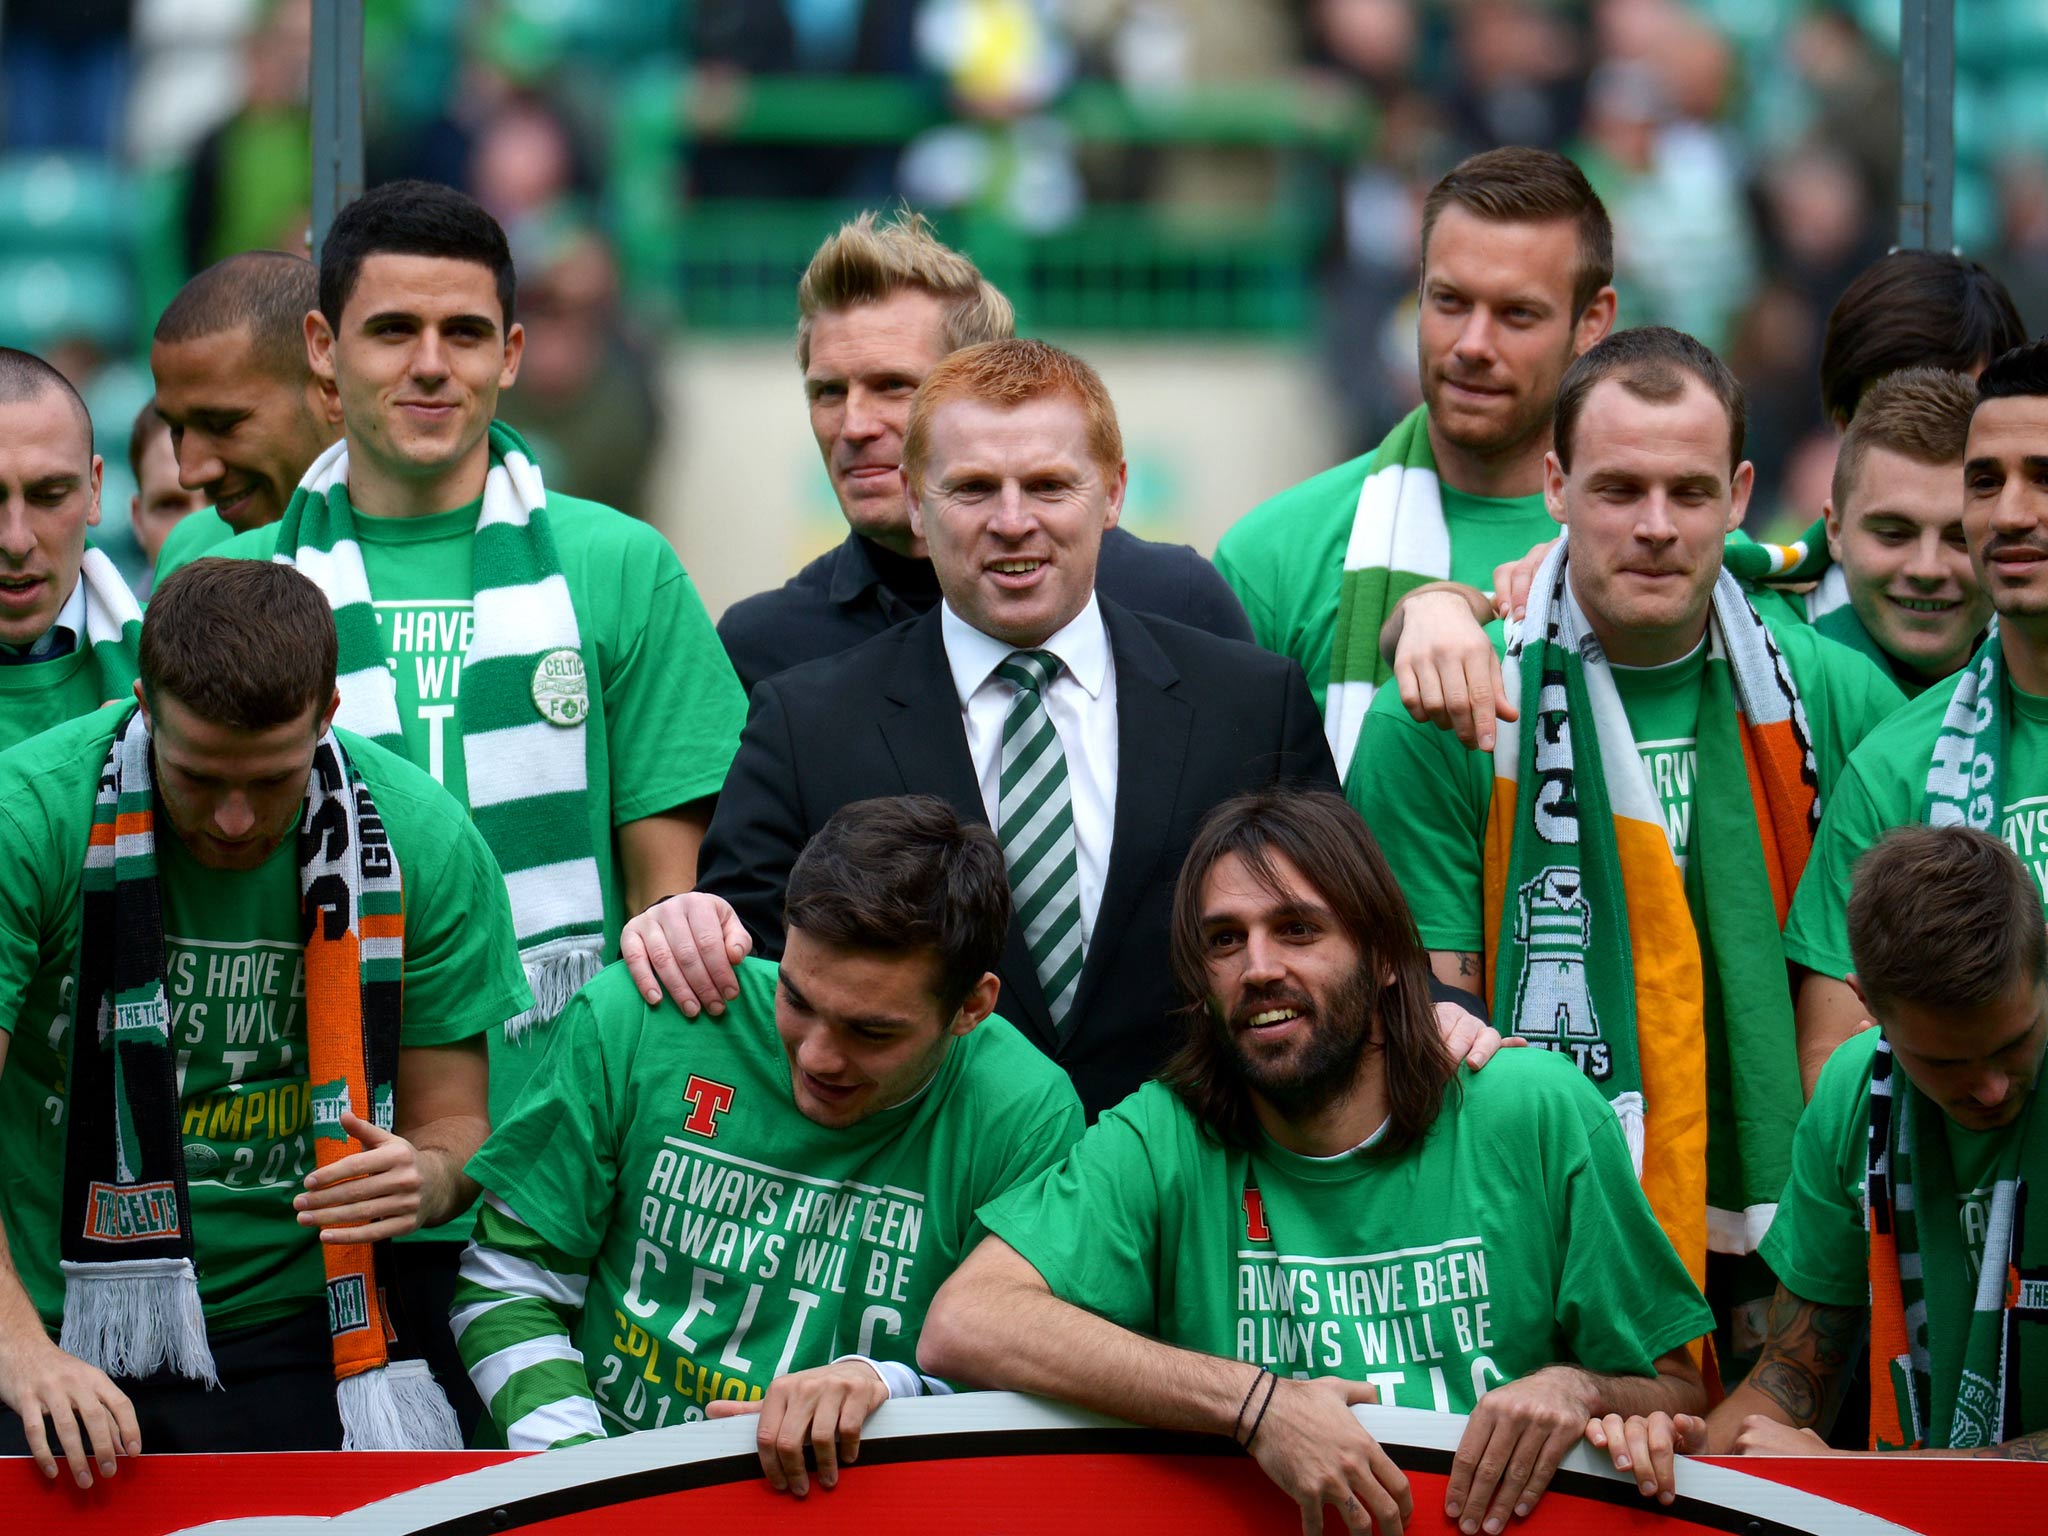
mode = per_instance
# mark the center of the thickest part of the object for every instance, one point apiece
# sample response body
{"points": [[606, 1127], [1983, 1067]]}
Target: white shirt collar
{"points": [[1082, 646]]}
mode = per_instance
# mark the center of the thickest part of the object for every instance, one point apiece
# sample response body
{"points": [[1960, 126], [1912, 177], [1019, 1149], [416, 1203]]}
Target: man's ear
{"points": [[319, 347], [99, 470], [1553, 487], [910, 500], [1832, 520], [1594, 322], [143, 699], [515, 348], [1738, 494], [1118, 488], [327, 715], [980, 1003]]}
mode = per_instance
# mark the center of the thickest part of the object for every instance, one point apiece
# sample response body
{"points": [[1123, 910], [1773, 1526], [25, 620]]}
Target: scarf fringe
{"points": [[135, 1316], [555, 971], [399, 1407], [1628, 1109]]}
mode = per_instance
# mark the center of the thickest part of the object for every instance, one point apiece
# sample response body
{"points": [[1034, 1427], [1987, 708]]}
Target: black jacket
{"points": [[1199, 719], [856, 590]]}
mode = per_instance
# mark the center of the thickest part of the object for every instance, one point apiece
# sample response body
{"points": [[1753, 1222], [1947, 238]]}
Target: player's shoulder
{"points": [[1209, 658], [1820, 662], [1272, 532], [602, 531], [256, 544], [1892, 759], [418, 813], [1842, 1091], [1006, 1072], [1526, 1091], [62, 765]]}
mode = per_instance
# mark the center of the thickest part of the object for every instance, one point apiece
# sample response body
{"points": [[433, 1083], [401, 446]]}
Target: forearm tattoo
{"points": [[2032, 1447], [1806, 1348], [1468, 962]]}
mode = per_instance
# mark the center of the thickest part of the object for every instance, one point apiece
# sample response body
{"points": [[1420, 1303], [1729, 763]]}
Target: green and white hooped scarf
{"points": [[524, 707], [113, 624], [1399, 540], [1805, 559], [1962, 776]]}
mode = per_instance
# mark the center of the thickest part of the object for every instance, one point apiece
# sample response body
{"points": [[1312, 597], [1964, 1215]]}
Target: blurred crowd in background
{"points": [[1248, 169]]}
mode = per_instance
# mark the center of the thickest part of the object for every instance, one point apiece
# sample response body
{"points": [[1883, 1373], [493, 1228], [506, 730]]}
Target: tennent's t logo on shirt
{"points": [[707, 1101]]}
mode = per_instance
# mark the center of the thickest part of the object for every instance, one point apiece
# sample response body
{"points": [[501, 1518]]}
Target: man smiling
{"points": [[744, 1203], [545, 658], [1309, 1190], [1968, 751], [68, 623], [1517, 259], [1091, 738], [246, 411], [1894, 521], [1615, 872]]}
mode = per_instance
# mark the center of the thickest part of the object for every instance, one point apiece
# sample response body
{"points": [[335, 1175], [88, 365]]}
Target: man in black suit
{"points": [[878, 307], [1092, 739]]}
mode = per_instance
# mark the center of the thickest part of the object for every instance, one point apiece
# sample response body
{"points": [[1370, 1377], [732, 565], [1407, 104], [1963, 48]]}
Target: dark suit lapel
{"points": [[1153, 720], [921, 726]]}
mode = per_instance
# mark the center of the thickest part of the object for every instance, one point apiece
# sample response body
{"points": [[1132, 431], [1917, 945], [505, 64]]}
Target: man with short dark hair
{"points": [[247, 413], [1310, 1189], [1092, 739], [244, 962], [754, 1213], [160, 503], [544, 658], [1973, 749], [1907, 1213], [880, 304], [1615, 872], [68, 623], [1517, 262]]}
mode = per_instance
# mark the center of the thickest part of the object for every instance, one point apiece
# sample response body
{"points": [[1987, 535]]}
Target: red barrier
{"points": [[985, 1462]]}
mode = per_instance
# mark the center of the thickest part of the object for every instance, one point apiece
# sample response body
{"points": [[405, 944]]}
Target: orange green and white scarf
{"points": [[131, 1293], [1944, 1348], [1591, 945]]}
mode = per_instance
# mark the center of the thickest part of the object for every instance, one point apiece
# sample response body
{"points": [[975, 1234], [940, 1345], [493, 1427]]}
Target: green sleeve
{"points": [[196, 534], [1623, 1296], [256, 544], [1051, 1136], [1424, 796], [1817, 1245], [554, 1158], [23, 902], [1817, 930], [1090, 1226], [673, 706], [1253, 593], [463, 976]]}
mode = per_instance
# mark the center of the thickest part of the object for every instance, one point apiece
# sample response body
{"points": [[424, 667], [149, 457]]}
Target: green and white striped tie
{"points": [[1035, 824]]}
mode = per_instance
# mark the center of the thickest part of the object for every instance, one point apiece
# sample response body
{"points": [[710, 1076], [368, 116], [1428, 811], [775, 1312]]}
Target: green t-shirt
{"points": [[1511, 1236], [196, 534], [1883, 788], [665, 707], [1663, 709], [730, 1239], [236, 992], [1817, 1244], [1425, 795], [1285, 557], [36, 695]]}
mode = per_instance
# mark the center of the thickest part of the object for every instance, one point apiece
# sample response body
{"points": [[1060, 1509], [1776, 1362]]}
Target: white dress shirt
{"points": [[1082, 703]]}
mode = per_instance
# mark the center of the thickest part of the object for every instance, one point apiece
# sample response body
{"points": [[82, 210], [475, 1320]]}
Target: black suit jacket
{"points": [[1199, 719], [845, 597]]}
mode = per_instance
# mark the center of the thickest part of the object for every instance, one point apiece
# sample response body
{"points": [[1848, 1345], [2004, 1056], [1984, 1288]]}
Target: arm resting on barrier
{"points": [[996, 1323]]}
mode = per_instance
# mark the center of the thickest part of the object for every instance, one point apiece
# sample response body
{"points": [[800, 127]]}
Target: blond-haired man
{"points": [[880, 305]]}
